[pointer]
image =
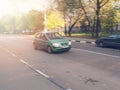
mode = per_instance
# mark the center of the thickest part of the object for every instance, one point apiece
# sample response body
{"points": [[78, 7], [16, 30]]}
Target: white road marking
{"points": [[73, 40], [83, 50], [42, 73], [82, 41], [24, 62], [34, 69], [93, 42]]}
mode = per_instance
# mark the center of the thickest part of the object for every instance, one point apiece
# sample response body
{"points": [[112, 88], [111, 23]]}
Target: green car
{"points": [[51, 42]]}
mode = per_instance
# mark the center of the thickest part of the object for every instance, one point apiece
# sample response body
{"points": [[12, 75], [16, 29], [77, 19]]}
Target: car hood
{"points": [[102, 38], [62, 40]]}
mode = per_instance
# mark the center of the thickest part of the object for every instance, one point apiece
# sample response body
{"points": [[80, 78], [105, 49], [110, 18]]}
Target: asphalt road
{"points": [[84, 67]]}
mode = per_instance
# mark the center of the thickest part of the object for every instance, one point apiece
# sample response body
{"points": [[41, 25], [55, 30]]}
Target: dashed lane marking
{"points": [[36, 70]]}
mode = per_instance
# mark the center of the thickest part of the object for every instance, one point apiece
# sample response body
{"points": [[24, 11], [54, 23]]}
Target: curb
{"points": [[82, 41]]}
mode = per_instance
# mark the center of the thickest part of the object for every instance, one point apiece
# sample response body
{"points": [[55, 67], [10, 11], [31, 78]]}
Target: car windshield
{"points": [[53, 36], [112, 36]]}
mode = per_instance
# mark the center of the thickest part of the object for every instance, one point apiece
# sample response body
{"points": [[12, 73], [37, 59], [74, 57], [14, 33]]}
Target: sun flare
{"points": [[14, 6]]}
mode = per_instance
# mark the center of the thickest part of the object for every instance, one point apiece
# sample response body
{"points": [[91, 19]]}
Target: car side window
{"points": [[37, 36], [119, 36], [113, 36], [43, 37]]}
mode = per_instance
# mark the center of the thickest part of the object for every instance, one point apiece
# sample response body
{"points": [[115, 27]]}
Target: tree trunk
{"points": [[71, 27], [98, 28], [65, 30], [93, 27]]}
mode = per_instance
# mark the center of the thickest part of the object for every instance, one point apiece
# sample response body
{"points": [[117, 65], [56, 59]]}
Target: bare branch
{"points": [[104, 3], [84, 11], [93, 1]]}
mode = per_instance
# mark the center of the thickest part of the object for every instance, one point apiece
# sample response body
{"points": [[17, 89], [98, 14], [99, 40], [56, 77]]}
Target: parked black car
{"points": [[112, 40]]}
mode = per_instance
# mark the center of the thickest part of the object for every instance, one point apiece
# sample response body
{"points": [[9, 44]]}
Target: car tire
{"points": [[101, 44], [68, 50], [35, 46], [49, 49]]}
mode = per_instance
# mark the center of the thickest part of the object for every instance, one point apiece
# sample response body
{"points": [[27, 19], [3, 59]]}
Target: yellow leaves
{"points": [[54, 20]]}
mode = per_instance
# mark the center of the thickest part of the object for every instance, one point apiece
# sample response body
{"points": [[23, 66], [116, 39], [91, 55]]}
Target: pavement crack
{"points": [[92, 81]]}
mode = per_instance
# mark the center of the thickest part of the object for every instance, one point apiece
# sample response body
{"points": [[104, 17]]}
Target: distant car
{"points": [[112, 40], [51, 42]]}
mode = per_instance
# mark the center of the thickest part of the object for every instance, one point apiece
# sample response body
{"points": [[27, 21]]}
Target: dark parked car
{"points": [[112, 40], [51, 42]]}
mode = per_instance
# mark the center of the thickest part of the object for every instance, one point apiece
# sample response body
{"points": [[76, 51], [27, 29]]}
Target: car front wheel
{"points": [[49, 49], [35, 46], [101, 44]]}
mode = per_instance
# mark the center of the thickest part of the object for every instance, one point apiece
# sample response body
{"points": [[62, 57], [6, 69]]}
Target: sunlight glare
{"points": [[14, 6]]}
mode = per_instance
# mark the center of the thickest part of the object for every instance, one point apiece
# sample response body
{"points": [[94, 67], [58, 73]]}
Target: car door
{"points": [[111, 40], [118, 41], [38, 40], [43, 41]]}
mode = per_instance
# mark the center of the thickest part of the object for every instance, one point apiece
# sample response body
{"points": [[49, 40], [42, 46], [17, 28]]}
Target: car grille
{"points": [[64, 44]]}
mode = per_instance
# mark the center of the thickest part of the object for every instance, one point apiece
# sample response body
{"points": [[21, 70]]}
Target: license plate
{"points": [[64, 46]]}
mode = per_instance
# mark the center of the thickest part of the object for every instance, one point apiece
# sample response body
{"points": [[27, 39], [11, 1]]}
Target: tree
{"points": [[22, 22], [72, 13], [89, 15], [9, 23], [110, 16], [54, 19], [2, 28], [97, 6], [14, 23], [35, 20]]}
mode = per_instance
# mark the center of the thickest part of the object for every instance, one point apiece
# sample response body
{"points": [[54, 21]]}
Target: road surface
{"points": [[84, 67]]}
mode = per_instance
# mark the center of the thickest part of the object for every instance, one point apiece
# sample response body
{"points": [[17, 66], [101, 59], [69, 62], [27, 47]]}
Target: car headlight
{"points": [[69, 43], [56, 45]]}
